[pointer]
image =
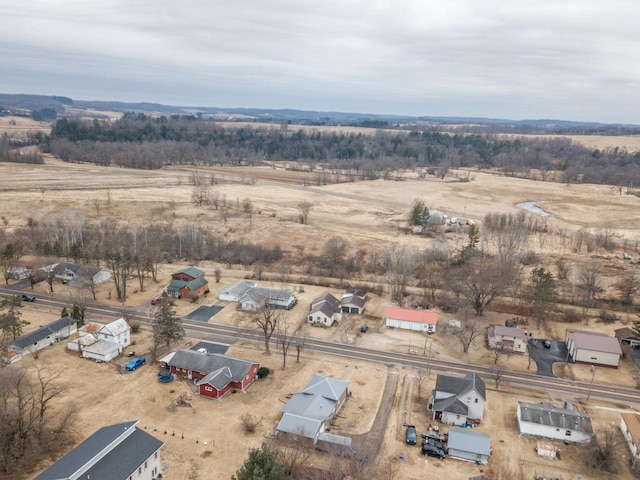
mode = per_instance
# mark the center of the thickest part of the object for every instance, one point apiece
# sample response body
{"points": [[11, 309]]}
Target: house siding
{"points": [[551, 432], [408, 325], [469, 456], [635, 453]]}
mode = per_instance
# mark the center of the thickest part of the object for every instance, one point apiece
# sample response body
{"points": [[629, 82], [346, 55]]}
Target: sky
{"points": [[519, 59]]}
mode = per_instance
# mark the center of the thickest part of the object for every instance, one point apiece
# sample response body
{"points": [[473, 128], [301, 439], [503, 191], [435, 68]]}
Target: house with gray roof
{"points": [[235, 291], [353, 301], [458, 400], [44, 336], [308, 412], [325, 311], [215, 374], [469, 445], [116, 452], [509, 339], [543, 420], [594, 348], [256, 298]]}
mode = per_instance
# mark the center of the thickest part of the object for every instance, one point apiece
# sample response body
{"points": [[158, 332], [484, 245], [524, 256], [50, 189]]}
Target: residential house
{"points": [[458, 400], [325, 310], [594, 348], [90, 275], [628, 336], [630, 426], [116, 452], [560, 424], [44, 336], [118, 332], [353, 301], [256, 298], [307, 413], [102, 343], [466, 444], [215, 374], [65, 271], [235, 291], [407, 319], [509, 339], [188, 283]]}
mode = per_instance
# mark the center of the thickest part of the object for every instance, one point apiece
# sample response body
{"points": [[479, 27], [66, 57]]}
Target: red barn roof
{"points": [[418, 316]]}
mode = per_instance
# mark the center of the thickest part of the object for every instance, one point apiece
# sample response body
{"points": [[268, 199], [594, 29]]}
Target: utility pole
{"points": [[593, 375]]}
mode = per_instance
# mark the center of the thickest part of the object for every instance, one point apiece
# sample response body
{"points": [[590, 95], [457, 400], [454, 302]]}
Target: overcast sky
{"points": [[516, 59]]}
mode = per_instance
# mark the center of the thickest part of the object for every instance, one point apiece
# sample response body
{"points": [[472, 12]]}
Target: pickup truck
{"points": [[134, 363], [441, 437]]}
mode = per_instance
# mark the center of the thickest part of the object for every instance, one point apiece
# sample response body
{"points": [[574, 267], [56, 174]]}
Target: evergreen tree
{"points": [[543, 293], [167, 326], [264, 463]]}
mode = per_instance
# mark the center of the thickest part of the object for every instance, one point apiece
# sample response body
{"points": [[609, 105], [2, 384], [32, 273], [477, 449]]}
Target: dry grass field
{"points": [[370, 215]]}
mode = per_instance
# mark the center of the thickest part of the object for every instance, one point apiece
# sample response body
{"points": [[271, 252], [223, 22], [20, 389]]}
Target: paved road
{"points": [[222, 333]]}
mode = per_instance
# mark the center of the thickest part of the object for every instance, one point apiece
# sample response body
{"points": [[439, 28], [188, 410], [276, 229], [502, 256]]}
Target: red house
{"points": [[215, 374], [188, 282]]}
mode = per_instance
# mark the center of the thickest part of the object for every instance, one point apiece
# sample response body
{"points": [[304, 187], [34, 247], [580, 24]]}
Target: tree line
{"points": [[140, 141]]}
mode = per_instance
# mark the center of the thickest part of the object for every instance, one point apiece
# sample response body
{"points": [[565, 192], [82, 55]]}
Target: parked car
{"points": [[412, 436], [134, 363], [27, 297], [546, 344], [364, 329], [432, 450], [434, 442], [155, 300], [435, 435]]}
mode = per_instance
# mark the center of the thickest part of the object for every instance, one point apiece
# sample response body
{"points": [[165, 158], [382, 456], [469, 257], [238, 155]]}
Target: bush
{"points": [[571, 316], [263, 372], [607, 317], [135, 326], [250, 423]]}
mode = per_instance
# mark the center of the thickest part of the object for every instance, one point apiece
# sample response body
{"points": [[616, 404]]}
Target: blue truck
{"points": [[134, 363]]}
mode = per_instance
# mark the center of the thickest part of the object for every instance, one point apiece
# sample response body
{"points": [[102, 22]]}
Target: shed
{"points": [[407, 319], [546, 450], [335, 444], [594, 348], [466, 444], [102, 350], [630, 427], [543, 420]]}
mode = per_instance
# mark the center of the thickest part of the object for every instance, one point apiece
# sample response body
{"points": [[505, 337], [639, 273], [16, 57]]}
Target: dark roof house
{"points": [[115, 452], [456, 400]]}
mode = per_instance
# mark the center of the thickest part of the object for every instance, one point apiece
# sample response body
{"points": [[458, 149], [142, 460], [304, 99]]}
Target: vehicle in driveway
{"points": [[434, 442], [432, 450], [134, 363], [412, 436], [27, 297], [546, 344], [442, 437], [155, 300]]}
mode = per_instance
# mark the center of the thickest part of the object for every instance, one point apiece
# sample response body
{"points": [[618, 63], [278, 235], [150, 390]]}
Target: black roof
{"points": [[118, 464], [43, 332], [460, 385], [206, 363]]}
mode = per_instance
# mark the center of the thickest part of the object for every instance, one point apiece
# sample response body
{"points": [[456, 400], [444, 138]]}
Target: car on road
{"points": [[432, 450], [27, 297], [134, 363], [412, 436]]}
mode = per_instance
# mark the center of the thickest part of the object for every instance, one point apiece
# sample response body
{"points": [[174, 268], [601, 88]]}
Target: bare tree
{"points": [[467, 332], [628, 286], [590, 282], [305, 208], [284, 340], [602, 450], [421, 381], [267, 319], [400, 266], [9, 256], [201, 189], [498, 374], [300, 344]]}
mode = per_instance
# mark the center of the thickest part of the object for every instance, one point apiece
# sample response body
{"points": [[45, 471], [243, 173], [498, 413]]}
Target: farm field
{"points": [[369, 215]]}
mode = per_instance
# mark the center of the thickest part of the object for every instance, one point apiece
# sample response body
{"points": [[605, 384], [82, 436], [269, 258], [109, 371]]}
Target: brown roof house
{"points": [[509, 339], [594, 348], [630, 426], [627, 335]]}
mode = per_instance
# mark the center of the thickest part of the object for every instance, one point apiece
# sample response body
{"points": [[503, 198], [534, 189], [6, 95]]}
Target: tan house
{"points": [[509, 339], [594, 348], [630, 426]]}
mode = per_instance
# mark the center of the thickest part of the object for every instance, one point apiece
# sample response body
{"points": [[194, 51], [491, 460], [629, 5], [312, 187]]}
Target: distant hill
{"points": [[25, 103]]}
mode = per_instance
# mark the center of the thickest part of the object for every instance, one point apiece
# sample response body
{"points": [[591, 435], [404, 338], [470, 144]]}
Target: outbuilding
{"points": [[543, 420], [469, 445], [416, 320], [594, 348], [44, 336]]}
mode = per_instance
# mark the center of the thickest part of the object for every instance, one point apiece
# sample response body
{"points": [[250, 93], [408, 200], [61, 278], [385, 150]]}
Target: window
{"points": [[208, 389], [557, 429], [145, 465], [139, 470], [476, 400], [155, 455], [568, 433]]}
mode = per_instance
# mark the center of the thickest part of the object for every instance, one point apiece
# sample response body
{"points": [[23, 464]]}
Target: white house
{"points": [[116, 452], [456, 400], [44, 336], [117, 331], [594, 348], [630, 427], [546, 421], [325, 310], [468, 445], [509, 339], [235, 291], [417, 320]]}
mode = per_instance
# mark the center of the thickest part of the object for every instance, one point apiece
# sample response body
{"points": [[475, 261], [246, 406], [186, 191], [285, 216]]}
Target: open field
{"points": [[371, 216]]}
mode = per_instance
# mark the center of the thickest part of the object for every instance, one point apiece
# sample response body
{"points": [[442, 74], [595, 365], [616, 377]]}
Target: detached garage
{"points": [[593, 347], [417, 320]]}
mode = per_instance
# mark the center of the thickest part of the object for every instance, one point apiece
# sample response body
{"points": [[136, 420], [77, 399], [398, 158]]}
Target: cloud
{"points": [[525, 59]]}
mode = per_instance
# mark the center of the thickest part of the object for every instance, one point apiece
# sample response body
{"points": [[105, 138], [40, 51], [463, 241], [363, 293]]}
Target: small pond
{"points": [[532, 207]]}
